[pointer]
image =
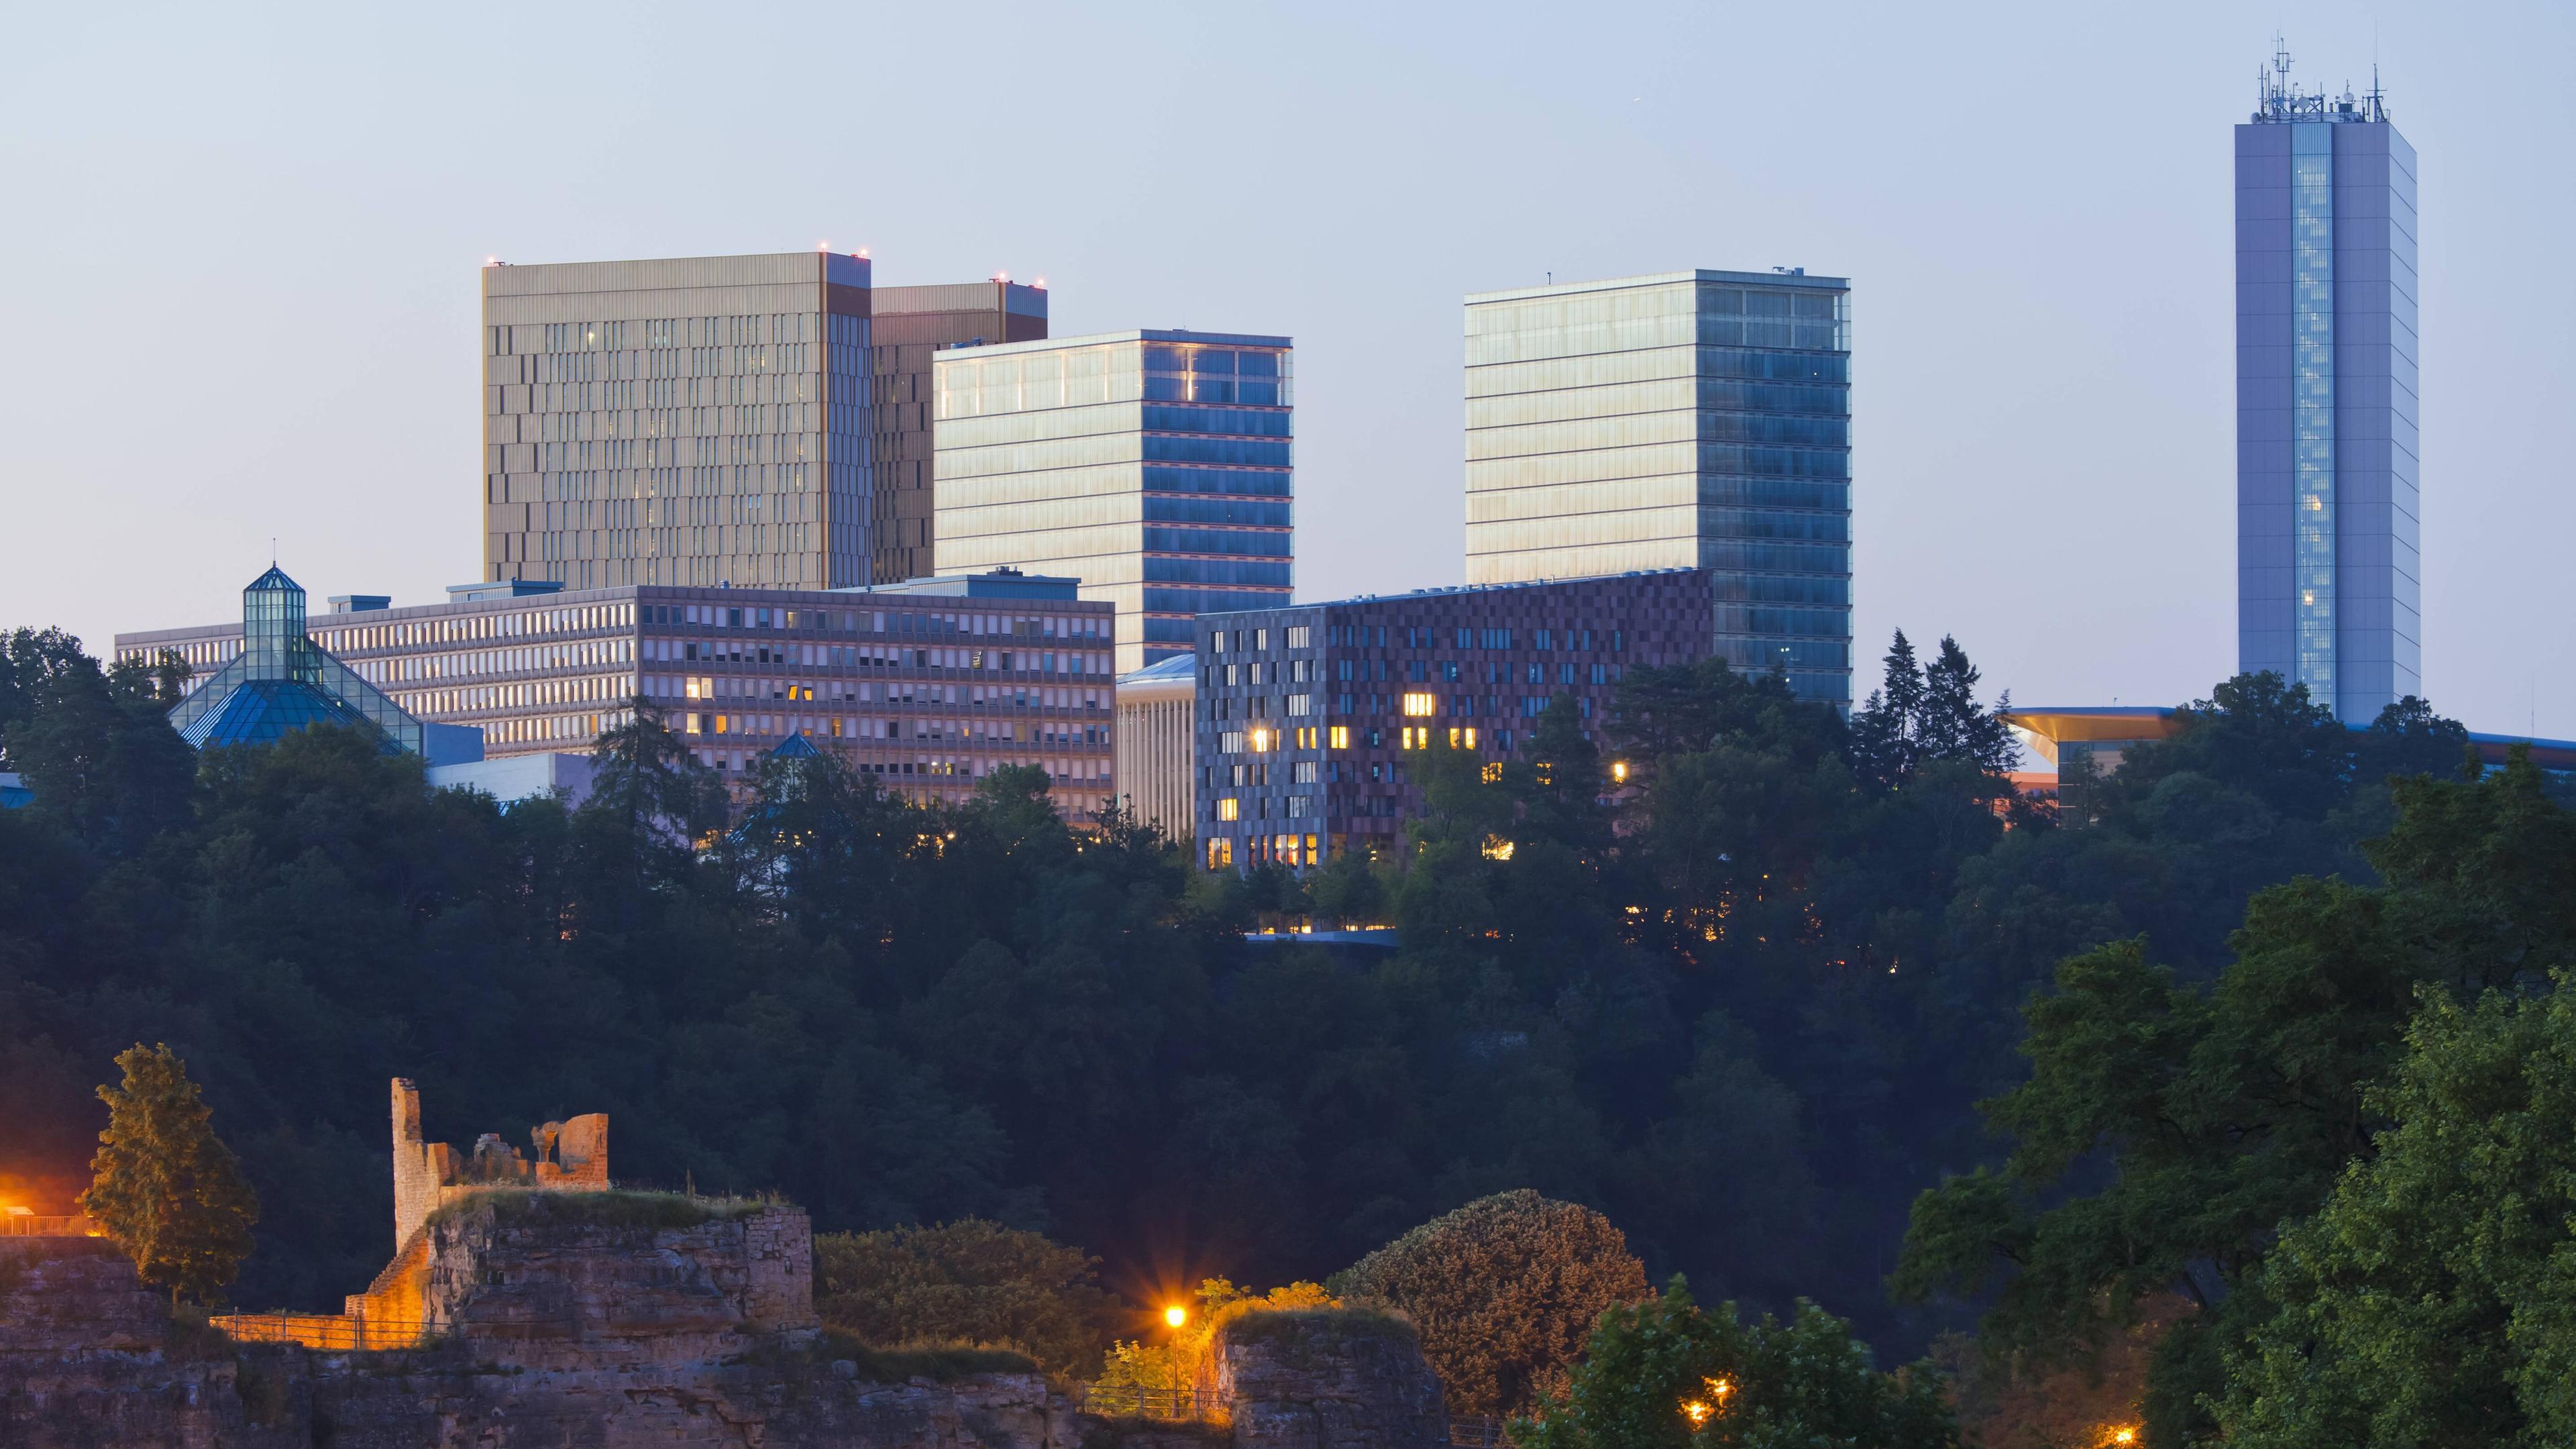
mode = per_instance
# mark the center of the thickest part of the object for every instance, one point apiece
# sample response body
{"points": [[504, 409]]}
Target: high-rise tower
{"points": [[2326, 483], [754, 421], [1684, 420], [1152, 465]]}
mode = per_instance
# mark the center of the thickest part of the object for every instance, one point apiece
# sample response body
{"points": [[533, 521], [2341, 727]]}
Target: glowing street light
{"points": [[1176, 1315]]}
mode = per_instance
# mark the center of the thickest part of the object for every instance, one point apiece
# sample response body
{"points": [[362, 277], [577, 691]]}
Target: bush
{"points": [[1503, 1291], [966, 1282], [1664, 1374]]}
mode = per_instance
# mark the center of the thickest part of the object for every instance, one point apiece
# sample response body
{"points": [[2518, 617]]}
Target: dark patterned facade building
{"points": [[1309, 717]]}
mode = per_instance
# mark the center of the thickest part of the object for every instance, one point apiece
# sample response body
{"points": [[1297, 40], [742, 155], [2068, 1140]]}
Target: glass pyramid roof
{"points": [[284, 681]]}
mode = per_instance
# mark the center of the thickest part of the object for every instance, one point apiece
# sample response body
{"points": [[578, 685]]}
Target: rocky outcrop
{"points": [[600, 1332], [1326, 1379], [88, 1358], [543, 1280]]}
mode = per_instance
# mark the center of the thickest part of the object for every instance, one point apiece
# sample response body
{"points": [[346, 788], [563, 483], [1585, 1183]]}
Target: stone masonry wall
{"points": [[1326, 1380], [541, 1282]]}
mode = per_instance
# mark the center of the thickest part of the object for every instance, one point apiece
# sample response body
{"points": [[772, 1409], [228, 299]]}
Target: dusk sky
{"points": [[242, 246]]}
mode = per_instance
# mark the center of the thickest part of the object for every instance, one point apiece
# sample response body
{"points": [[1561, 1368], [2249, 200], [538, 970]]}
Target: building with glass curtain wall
{"points": [[1154, 466], [2326, 445], [1684, 420]]}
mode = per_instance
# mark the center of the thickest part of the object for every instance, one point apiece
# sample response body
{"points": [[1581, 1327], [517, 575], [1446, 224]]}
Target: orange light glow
{"points": [[1176, 1316]]}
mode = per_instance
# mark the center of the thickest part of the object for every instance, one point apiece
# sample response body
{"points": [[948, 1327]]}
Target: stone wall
{"points": [[563, 1157], [539, 1280], [1326, 1379]]}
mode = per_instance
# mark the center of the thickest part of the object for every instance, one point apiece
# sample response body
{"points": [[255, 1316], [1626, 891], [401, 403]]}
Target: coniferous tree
{"points": [[164, 1187], [1882, 732]]}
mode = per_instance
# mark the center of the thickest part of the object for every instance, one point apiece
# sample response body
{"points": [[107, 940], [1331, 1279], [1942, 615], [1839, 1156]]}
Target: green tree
{"points": [[2432, 1301], [1928, 712], [1666, 1374], [164, 1187], [1504, 1292], [2221, 1113], [971, 1281]]}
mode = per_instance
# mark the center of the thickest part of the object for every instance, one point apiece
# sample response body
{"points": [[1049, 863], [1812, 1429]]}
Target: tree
{"points": [[2432, 1300], [1924, 713], [1665, 1374], [1504, 1292], [1661, 711], [2221, 1113], [972, 1281], [164, 1187]]}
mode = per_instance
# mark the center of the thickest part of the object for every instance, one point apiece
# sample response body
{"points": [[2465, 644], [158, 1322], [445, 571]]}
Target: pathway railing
{"points": [[1137, 1401], [325, 1331]]}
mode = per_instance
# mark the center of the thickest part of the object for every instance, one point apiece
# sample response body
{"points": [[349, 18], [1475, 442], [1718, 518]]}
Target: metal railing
{"points": [[327, 1332], [23, 1225], [1124, 1401], [1478, 1431]]}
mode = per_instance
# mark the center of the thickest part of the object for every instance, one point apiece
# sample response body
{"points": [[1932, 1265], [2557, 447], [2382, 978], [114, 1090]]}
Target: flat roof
{"points": [[1452, 591], [993, 584], [1665, 279], [1142, 334], [573, 598], [2096, 724]]}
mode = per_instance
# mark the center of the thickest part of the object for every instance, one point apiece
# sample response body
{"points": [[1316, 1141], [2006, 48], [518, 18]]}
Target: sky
{"points": [[241, 246]]}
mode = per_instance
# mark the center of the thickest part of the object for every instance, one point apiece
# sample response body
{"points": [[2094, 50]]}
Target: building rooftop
{"points": [[1451, 591], [1181, 667], [1002, 583], [1145, 334], [1778, 277], [2281, 103], [2100, 724]]}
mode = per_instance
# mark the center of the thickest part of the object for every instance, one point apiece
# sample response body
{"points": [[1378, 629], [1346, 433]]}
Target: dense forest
{"points": [[1744, 1003]]}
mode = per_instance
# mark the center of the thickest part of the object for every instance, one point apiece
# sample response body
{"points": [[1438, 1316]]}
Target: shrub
{"points": [[965, 1282], [1664, 1374], [1503, 1291]]}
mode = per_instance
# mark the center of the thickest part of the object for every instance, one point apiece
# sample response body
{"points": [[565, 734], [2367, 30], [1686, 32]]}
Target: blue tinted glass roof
{"points": [[263, 711]]}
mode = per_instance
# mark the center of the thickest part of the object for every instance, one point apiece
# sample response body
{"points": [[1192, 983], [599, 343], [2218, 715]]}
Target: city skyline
{"points": [[2046, 450]]}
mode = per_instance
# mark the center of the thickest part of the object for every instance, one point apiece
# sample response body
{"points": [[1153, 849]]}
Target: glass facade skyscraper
{"points": [[2326, 444], [1154, 466], [1694, 419]]}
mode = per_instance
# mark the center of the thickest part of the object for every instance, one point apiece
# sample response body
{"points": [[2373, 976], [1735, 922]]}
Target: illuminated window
{"points": [[1260, 741], [1493, 771], [722, 723], [1227, 808], [1421, 705], [1341, 737], [1460, 738]]}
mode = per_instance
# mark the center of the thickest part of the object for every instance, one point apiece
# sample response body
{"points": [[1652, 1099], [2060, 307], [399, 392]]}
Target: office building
{"points": [[712, 421], [1308, 716], [273, 679], [907, 325], [1154, 749], [928, 687], [2326, 447], [1683, 420], [1153, 466]]}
